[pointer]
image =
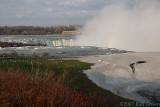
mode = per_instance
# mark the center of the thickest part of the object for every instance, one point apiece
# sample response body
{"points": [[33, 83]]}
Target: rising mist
{"points": [[125, 24]]}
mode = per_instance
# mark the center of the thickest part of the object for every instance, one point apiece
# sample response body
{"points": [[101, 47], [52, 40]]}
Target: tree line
{"points": [[35, 30]]}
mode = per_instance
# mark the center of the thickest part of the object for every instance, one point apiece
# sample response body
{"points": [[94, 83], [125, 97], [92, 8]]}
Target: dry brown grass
{"points": [[20, 90]]}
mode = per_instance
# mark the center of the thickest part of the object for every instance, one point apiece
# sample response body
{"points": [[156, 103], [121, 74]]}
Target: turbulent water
{"points": [[57, 46], [49, 40], [114, 73]]}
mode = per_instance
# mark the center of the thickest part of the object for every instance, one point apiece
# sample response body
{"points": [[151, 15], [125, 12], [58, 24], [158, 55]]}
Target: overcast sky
{"points": [[48, 12], [51, 12]]}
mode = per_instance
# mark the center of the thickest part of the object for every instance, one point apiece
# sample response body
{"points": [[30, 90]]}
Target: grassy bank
{"points": [[51, 83]]}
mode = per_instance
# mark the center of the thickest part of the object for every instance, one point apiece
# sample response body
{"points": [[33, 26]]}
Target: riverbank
{"points": [[14, 44]]}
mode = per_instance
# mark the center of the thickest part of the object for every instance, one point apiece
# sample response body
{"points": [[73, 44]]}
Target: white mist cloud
{"points": [[126, 25]]}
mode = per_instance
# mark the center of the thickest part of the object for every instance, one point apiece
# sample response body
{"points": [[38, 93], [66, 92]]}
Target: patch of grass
{"points": [[42, 66], [67, 73]]}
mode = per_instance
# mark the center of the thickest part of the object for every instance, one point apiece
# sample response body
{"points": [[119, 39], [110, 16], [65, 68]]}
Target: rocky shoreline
{"points": [[13, 44]]}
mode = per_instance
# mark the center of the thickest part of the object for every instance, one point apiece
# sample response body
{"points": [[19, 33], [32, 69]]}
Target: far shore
{"points": [[13, 44]]}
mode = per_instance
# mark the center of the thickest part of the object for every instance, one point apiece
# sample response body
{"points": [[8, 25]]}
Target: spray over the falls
{"points": [[125, 25]]}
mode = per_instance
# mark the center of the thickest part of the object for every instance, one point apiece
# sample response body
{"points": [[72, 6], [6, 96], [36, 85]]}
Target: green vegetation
{"points": [[42, 66], [67, 73]]}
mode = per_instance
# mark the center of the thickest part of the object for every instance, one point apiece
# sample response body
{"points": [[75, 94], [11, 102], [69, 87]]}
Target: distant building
{"points": [[71, 33]]}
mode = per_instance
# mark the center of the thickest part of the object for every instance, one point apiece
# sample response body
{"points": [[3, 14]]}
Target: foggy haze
{"points": [[122, 25]]}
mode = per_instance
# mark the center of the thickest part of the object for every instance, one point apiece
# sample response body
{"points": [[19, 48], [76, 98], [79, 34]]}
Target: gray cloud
{"points": [[48, 12]]}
